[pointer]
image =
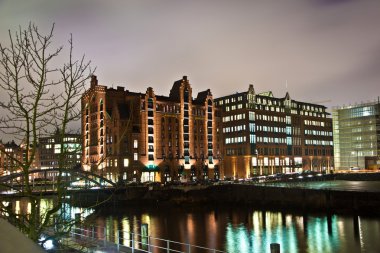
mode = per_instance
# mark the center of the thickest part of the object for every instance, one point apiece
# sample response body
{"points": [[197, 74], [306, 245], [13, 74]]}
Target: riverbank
{"points": [[258, 196]]}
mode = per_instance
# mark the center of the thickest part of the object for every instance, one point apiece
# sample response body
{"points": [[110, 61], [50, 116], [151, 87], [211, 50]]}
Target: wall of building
{"points": [[150, 137], [356, 136], [265, 135]]}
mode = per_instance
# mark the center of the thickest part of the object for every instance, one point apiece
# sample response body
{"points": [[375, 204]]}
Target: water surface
{"points": [[242, 230]]}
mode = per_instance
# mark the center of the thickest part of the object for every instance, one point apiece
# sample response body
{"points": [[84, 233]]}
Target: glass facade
{"points": [[356, 135]]}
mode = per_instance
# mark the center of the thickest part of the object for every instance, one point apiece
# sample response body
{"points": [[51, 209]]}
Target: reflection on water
{"points": [[23, 207], [246, 230], [231, 229]]}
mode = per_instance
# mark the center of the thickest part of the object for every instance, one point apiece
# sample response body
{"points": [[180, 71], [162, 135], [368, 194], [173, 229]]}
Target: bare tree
{"points": [[41, 97]]}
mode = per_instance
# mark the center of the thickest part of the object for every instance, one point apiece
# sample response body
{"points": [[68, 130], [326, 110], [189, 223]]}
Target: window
{"points": [[135, 156], [135, 144], [126, 162]]}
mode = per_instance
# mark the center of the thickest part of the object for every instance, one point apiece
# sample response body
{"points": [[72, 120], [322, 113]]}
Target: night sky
{"points": [[324, 49]]}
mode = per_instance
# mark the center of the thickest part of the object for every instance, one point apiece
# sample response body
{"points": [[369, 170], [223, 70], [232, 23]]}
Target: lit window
{"points": [[126, 162], [135, 144], [135, 156]]}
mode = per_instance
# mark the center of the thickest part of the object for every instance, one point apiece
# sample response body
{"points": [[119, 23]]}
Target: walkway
{"points": [[337, 185], [12, 240]]}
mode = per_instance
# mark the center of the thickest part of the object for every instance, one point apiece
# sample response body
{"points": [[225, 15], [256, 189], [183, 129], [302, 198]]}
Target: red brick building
{"points": [[148, 137]]}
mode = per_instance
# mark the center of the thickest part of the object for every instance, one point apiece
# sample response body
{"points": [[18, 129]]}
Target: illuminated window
{"points": [[126, 162], [135, 156], [135, 144]]}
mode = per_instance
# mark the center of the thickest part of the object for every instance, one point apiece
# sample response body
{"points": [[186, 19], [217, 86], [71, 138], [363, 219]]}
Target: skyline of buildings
{"points": [[144, 136], [47, 153]]}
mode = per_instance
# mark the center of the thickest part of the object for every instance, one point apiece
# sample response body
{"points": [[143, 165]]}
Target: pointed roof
{"points": [[174, 92], [287, 96], [202, 96]]}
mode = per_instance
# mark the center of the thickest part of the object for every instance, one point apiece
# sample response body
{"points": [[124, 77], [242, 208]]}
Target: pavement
{"points": [[12, 240], [336, 185]]}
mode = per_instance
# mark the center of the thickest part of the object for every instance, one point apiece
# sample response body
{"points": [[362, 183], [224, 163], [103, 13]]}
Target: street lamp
{"points": [[257, 162]]}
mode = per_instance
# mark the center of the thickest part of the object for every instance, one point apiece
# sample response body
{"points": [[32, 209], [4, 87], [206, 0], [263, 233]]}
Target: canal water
{"points": [[242, 230]]}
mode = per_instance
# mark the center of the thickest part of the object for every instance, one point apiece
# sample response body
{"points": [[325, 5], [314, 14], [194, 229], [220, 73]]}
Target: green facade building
{"points": [[357, 136]]}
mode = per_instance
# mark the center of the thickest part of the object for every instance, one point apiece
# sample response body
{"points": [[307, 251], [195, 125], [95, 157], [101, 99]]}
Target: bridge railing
{"points": [[95, 237]]}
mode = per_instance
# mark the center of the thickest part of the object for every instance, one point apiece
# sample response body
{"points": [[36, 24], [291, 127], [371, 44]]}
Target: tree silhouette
{"points": [[42, 96]]}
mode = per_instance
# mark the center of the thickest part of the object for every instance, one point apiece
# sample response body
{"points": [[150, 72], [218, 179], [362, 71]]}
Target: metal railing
{"points": [[97, 238]]}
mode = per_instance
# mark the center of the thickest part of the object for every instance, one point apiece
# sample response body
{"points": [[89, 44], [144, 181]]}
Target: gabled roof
{"points": [[203, 95], [287, 96], [174, 92]]}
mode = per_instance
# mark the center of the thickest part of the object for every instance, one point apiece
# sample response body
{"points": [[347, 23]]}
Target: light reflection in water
{"points": [[249, 230], [22, 206]]}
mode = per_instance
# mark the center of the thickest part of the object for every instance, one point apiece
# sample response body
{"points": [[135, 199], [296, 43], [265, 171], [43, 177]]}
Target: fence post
{"points": [[167, 246], [105, 236], [133, 243], [189, 248], [117, 240], [148, 243]]}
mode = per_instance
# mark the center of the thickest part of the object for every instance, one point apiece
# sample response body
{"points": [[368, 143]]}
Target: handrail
{"points": [[133, 241]]}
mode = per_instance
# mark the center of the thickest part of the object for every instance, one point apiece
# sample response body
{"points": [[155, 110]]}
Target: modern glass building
{"points": [[357, 136]]}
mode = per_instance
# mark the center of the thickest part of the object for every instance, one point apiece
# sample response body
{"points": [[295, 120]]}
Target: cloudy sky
{"points": [[326, 50]]}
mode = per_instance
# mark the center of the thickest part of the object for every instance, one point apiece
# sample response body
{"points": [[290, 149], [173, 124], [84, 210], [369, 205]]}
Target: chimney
{"points": [[94, 81]]}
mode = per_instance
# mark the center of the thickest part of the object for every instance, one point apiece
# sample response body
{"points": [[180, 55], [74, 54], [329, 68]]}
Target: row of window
{"points": [[317, 132], [233, 100], [314, 123], [270, 118], [266, 161], [314, 114], [234, 117], [270, 129], [239, 139], [318, 142], [233, 129], [271, 140], [234, 107]]}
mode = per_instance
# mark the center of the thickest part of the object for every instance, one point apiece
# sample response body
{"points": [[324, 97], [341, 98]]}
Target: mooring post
{"points": [[274, 248]]}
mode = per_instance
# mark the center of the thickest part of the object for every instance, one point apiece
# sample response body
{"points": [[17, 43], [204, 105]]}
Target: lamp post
{"points": [[257, 162]]}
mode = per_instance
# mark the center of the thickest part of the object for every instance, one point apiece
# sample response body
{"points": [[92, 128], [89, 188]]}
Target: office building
{"points": [[357, 136], [266, 135], [55, 147]]}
